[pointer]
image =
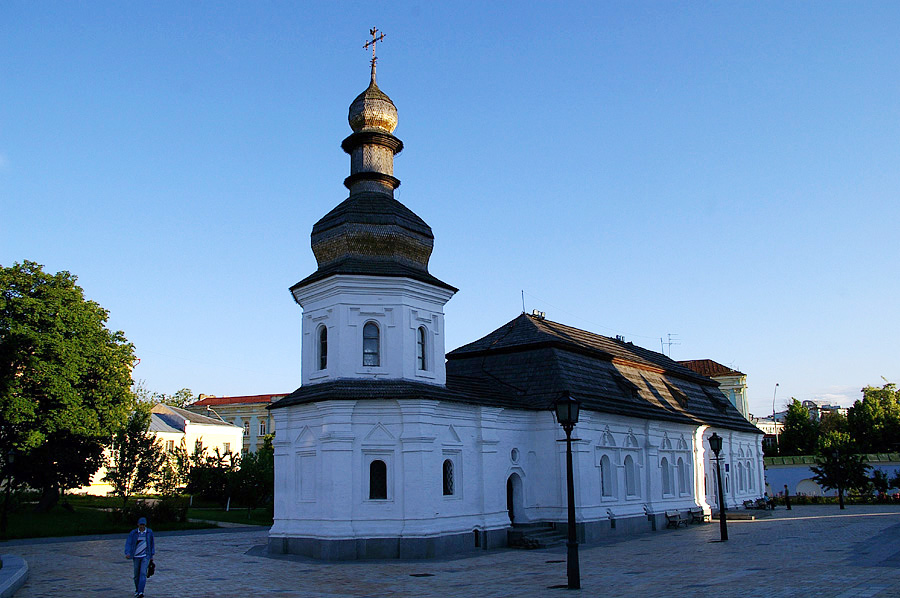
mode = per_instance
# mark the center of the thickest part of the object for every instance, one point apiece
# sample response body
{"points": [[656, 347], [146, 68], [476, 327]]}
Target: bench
{"points": [[675, 518], [698, 516]]}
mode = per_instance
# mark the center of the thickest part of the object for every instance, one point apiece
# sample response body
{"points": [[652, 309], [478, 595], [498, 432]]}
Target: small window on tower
{"points": [[421, 354], [371, 352], [323, 347]]}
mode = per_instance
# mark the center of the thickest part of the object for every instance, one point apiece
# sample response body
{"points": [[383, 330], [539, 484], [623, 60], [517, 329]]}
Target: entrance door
{"points": [[514, 499]]}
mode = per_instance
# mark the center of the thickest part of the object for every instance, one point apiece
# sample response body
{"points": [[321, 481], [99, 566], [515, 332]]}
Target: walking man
{"points": [[139, 548]]}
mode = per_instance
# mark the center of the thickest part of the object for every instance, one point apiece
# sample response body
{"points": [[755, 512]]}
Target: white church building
{"points": [[391, 448]]}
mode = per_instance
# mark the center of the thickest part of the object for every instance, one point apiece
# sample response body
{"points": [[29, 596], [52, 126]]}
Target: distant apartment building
{"points": [[819, 409], [732, 383], [248, 412]]}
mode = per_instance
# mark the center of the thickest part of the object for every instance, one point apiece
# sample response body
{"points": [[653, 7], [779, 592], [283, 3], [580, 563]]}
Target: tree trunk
{"points": [[4, 518], [49, 497], [841, 497]]}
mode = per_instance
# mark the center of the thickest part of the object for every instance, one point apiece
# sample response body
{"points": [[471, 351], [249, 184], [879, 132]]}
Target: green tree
{"points": [[832, 421], [211, 475], [880, 481], [136, 457], [253, 484], [182, 398], [800, 432], [840, 467], [874, 420], [64, 380]]}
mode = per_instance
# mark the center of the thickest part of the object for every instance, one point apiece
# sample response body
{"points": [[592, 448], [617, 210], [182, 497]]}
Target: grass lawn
{"points": [[25, 523], [235, 515]]}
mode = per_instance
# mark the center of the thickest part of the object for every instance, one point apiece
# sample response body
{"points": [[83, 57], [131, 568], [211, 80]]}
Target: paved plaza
{"points": [[809, 551]]}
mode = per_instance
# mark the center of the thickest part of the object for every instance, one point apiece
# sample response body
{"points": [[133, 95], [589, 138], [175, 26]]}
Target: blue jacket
{"points": [[131, 543]]}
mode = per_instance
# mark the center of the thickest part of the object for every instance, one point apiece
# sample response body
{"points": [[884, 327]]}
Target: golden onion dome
{"points": [[373, 110]]}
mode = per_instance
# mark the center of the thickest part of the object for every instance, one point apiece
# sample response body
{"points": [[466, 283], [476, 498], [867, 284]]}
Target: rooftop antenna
{"points": [[672, 340], [375, 39], [523, 301]]}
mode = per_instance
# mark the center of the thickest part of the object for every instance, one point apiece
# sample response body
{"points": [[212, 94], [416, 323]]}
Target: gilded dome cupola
{"points": [[371, 233]]}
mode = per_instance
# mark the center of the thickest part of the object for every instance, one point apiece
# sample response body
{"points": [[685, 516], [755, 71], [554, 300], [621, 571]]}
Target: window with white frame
{"points": [[262, 427], [377, 480], [421, 353], [323, 348], [170, 446], [371, 345], [246, 428], [448, 478]]}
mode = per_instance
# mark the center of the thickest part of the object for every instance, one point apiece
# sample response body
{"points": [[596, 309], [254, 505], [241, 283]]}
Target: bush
{"points": [[169, 509]]}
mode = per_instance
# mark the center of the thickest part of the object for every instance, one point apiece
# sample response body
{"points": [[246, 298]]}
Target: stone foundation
{"points": [[389, 548]]}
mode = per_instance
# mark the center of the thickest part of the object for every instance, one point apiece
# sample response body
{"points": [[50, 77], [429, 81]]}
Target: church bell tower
{"points": [[372, 310]]}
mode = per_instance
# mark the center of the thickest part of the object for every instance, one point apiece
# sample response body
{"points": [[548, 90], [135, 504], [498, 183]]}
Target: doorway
{"points": [[514, 498]]}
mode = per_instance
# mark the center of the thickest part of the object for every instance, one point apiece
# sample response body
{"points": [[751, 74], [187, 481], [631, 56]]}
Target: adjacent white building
{"points": [[392, 449]]}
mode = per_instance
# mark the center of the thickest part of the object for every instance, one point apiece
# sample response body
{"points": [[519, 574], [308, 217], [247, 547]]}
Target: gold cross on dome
{"points": [[375, 39]]}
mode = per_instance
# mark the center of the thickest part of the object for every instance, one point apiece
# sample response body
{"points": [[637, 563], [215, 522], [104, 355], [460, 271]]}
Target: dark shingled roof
{"points": [[372, 267], [372, 208], [530, 362]]}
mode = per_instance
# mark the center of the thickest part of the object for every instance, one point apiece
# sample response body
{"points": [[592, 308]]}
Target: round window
{"points": [[514, 455]]}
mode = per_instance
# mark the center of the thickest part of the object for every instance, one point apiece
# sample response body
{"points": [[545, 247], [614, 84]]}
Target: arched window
{"points": [[630, 477], [323, 347], [666, 479], [606, 487], [421, 355], [740, 477], [682, 477], [377, 480], [371, 349], [749, 476], [448, 477]]}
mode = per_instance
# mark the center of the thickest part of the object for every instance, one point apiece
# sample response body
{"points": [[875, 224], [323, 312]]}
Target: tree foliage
{"points": [[874, 420], [800, 432], [211, 474], [840, 466], [182, 398], [64, 379], [253, 483], [136, 457]]}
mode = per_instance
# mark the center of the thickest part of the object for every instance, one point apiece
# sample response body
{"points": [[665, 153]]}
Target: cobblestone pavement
{"points": [[809, 551]]}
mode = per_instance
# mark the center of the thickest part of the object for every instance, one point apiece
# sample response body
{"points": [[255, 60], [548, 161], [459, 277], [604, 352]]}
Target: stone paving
{"points": [[809, 551]]}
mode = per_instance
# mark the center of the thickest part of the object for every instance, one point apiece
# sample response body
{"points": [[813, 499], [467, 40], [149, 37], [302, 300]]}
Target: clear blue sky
{"points": [[727, 172]]}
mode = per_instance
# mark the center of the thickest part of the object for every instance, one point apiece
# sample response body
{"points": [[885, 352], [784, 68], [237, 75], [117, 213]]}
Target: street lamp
{"points": [[774, 423], [715, 443], [566, 409]]}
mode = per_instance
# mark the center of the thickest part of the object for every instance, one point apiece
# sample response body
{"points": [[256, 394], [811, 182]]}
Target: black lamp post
{"points": [[566, 409], [715, 443]]}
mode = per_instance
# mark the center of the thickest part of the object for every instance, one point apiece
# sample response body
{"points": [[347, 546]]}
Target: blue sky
{"points": [[725, 172]]}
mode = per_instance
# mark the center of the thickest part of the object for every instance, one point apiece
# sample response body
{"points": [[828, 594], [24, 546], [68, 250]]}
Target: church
{"points": [[392, 448]]}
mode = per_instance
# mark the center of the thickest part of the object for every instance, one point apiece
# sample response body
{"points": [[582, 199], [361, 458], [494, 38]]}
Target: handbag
{"points": [[151, 568]]}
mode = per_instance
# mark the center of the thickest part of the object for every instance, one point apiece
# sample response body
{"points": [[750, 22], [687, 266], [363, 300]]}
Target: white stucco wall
{"points": [[322, 464]]}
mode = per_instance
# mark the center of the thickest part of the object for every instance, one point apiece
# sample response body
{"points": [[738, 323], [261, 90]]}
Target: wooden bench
{"points": [[698, 516], [675, 518]]}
